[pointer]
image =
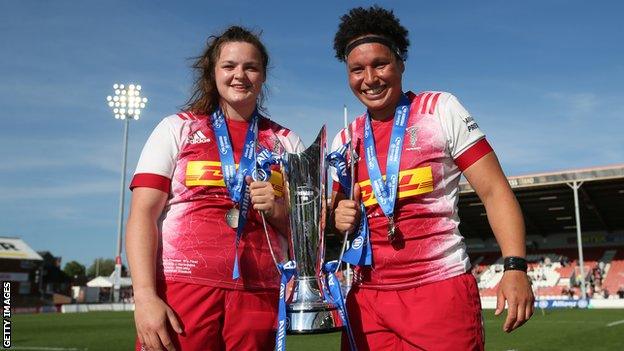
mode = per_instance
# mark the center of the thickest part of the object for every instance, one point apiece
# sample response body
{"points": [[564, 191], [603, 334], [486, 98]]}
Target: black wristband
{"points": [[515, 263]]}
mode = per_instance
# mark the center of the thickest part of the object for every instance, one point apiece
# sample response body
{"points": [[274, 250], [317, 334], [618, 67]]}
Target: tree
{"points": [[74, 270], [101, 267]]}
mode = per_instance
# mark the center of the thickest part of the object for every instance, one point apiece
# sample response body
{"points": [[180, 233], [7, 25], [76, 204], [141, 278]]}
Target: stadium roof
{"points": [[547, 202]]}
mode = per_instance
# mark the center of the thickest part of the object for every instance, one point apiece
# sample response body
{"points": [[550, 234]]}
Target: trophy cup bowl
{"points": [[305, 183]]}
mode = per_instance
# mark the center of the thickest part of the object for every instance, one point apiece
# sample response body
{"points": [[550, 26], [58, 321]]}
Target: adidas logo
{"points": [[198, 138]]}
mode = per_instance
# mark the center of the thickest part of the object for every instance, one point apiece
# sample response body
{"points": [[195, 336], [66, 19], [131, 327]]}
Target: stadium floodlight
{"points": [[126, 104], [579, 241]]}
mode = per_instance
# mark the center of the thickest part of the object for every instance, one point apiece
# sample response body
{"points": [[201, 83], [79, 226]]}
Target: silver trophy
{"points": [[305, 183]]}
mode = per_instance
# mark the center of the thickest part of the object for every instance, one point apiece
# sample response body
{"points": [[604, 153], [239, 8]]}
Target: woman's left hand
{"points": [[262, 197]]}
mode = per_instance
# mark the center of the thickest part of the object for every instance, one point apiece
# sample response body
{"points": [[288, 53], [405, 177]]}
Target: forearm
{"points": [[142, 239], [141, 246], [506, 221]]}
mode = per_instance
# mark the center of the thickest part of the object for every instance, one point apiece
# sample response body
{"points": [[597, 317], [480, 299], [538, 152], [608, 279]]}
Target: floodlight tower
{"points": [[126, 104]]}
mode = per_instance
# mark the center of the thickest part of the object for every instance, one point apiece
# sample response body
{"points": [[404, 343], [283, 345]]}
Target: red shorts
{"points": [[221, 319], [444, 315]]}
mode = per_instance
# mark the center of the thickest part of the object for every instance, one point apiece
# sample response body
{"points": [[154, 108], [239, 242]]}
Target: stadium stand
{"points": [[548, 205], [556, 274], [614, 279]]}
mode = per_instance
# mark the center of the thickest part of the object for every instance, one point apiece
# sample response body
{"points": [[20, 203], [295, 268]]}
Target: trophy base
{"points": [[313, 321]]}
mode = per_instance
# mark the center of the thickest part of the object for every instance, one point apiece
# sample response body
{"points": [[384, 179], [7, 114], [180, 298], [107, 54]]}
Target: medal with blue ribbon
{"points": [[288, 270], [262, 172], [359, 252], [338, 160], [333, 292], [386, 191], [235, 179]]}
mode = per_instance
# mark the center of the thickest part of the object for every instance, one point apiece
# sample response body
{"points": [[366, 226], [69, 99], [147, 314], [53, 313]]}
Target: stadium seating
{"points": [[615, 276], [554, 271]]}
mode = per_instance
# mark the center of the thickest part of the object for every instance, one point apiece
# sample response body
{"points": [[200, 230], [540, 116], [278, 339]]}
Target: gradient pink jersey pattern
{"points": [[196, 245], [441, 140]]}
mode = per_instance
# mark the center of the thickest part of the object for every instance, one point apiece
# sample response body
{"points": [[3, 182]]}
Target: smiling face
{"points": [[239, 75], [375, 78]]}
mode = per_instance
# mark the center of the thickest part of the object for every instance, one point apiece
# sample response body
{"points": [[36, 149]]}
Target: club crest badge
{"points": [[412, 133], [277, 146]]}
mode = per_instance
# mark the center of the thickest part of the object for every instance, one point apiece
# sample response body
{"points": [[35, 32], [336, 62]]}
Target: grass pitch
{"points": [[564, 329]]}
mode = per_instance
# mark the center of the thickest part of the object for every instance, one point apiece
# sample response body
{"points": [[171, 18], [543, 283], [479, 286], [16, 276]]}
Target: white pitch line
{"points": [[43, 348], [615, 323], [533, 321]]}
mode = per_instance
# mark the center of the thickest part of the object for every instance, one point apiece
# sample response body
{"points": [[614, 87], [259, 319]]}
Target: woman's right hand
{"points": [[347, 213], [151, 315]]}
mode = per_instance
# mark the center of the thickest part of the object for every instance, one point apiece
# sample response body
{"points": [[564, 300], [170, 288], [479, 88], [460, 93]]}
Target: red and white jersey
{"points": [[441, 140], [196, 245]]}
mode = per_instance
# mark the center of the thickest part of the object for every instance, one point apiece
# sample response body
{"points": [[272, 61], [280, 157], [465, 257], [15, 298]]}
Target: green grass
{"points": [[555, 330]]}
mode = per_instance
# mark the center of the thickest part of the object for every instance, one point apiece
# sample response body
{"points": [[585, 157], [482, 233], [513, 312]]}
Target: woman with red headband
{"points": [[418, 294]]}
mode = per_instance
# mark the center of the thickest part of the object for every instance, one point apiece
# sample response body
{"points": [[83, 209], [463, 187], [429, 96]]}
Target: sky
{"points": [[544, 80]]}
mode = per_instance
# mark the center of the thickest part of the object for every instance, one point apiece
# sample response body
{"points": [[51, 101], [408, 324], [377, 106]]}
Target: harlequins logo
{"points": [[277, 146], [412, 133]]}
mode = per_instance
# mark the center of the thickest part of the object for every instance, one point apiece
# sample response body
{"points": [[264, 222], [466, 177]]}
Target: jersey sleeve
{"points": [[466, 141], [292, 142], [158, 158]]}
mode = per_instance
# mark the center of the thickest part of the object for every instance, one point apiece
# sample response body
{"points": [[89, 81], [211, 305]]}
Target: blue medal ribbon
{"points": [[264, 160], [288, 270], [333, 293], [242, 220], [386, 191], [360, 253], [338, 160], [235, 179]]}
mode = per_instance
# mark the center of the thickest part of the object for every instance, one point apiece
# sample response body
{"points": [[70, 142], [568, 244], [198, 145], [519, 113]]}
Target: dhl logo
{"points": [[208, 173], [411, 182]]}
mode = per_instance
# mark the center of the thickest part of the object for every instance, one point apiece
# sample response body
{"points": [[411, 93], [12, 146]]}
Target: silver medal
{"points": [[391, 229], [231, 217]]}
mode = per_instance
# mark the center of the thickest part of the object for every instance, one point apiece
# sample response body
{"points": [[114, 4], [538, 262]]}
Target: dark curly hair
{"points": [[205, 96], [374, 20]]}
